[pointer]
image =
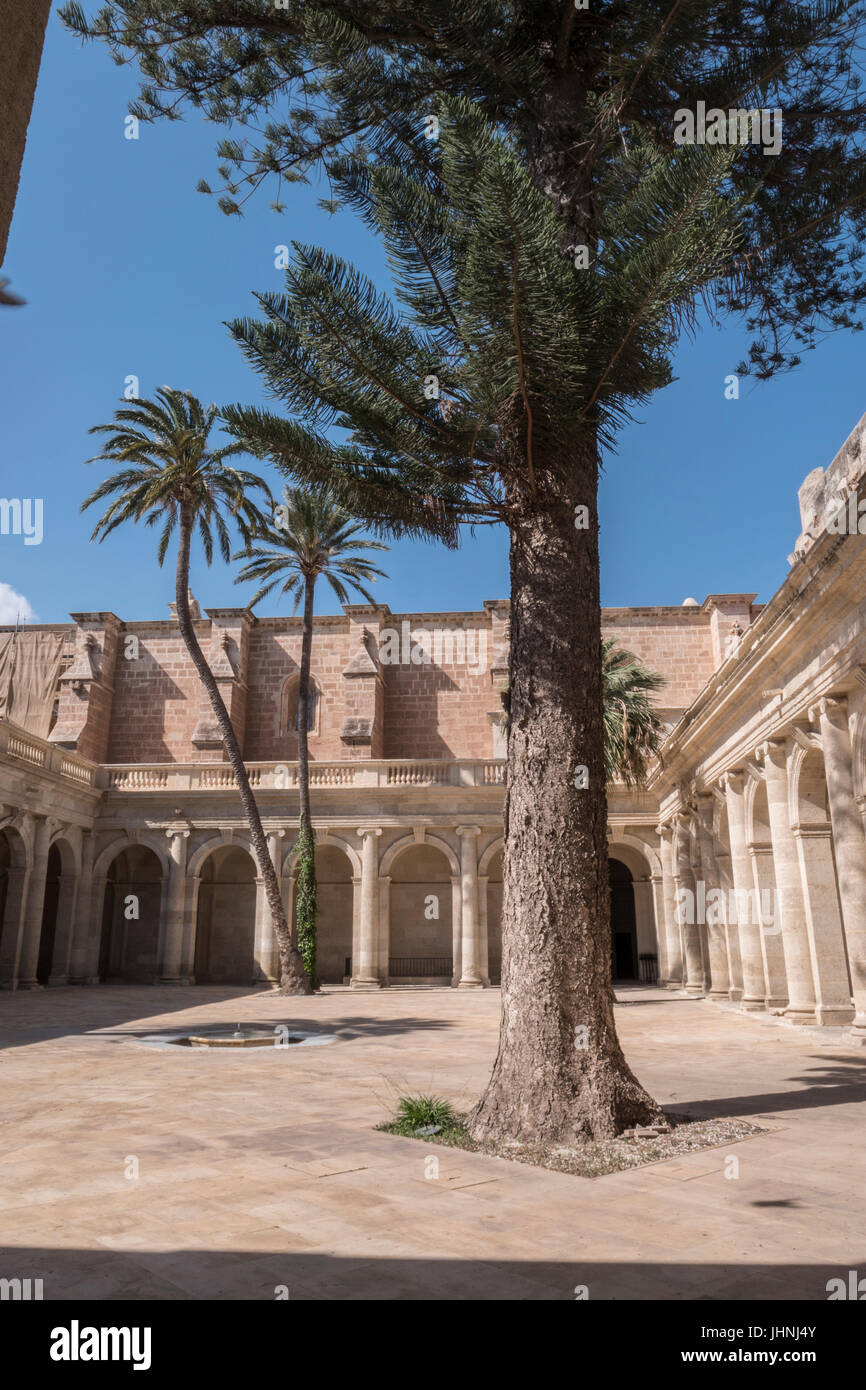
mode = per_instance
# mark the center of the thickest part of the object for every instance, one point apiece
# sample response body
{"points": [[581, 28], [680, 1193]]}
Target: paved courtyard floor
{"points": [[262, 1170]]}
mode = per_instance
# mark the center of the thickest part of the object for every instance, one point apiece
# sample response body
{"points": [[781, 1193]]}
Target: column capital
{"points": [[468, 829], [772, 752], [830, 707], [663, 828], [733, 776], [365, 830], [172, 832]]}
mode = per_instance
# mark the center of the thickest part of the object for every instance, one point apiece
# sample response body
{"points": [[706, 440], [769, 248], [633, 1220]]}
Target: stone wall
{"points": [[388, 685]]}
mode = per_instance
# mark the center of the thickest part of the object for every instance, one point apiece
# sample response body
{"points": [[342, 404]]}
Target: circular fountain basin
{"points": [[281, 1037], [243, 1037]]}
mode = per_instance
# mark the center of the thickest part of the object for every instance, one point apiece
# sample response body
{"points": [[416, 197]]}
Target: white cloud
{"points": [[13, 606]]}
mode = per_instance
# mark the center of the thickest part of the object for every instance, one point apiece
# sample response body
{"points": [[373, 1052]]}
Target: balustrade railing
{"points": [[23, 747], [272, 776]]}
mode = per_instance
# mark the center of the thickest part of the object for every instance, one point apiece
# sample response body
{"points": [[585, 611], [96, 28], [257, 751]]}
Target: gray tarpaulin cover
{"points": [[29, 667]]}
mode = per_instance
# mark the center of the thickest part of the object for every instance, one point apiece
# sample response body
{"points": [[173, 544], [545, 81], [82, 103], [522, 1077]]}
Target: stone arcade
{"points": [[124, 854]]}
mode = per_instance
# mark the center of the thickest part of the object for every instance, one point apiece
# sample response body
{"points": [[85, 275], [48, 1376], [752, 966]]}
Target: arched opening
{"points": [[623, 922], [226, 919], [129, 945], [289, 713], [494, 919], [48, 931], [13, 877], [420, 916], [334, 891], [5, 877]]}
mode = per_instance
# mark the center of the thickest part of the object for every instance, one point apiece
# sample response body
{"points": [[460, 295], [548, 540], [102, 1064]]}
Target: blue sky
{"points": [[127, 270]]}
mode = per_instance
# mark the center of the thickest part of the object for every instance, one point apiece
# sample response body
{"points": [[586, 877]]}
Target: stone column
{"points": [[833, 1004], [685, 880], [471, 976], [266, 951], [175, 904], [732, 938], [385, 929], [356, 926], [484, 957], [672, 977], [32, 933], [748, 932], [456, 931], [789, 896], [657, 886], [849, 843], [365, 969], [764, 879], [720, 982]]}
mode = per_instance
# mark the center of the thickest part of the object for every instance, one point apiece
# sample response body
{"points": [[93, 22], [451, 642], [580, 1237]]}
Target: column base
{"points": [[171, 980], [857, 1034], [801, 1018], [735, 995], [365, 984], [55, 980], [470, 984], [834, 1015], [695, 991], [28, 984], [781, 1004], [751, 1006], [718, 996]]}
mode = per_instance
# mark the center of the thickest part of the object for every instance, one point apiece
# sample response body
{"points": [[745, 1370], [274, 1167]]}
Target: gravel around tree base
{"points": [[597, 1157]]}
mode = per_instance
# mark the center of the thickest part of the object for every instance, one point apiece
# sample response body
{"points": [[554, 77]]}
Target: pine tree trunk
{"points": [[292, 977], [560, 1074]]}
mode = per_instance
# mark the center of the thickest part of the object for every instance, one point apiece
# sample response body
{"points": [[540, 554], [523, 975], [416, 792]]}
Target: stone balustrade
{"points": [[23, 747], [162, 777]]}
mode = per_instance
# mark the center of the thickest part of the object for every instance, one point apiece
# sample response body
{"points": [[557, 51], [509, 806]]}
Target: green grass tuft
{"points": [[417, 1112]]}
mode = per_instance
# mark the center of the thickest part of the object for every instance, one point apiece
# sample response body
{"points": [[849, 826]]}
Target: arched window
{"points": [[289, 706]]}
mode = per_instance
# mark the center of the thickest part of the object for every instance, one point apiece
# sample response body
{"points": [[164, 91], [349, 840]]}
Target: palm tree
{"points": [[312, 536], [170, 476], [632, 733]]}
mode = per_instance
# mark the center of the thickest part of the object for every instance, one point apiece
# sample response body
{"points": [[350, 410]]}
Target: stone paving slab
{"points": [[263, 1168]]}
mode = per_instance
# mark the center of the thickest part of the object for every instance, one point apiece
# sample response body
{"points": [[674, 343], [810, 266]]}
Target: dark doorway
{"points": [[130, 917], [49, 916], [623, 926]]}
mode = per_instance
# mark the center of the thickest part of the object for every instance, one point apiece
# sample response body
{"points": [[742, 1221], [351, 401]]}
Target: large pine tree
{"points": [[466, 401], [548, 249]]}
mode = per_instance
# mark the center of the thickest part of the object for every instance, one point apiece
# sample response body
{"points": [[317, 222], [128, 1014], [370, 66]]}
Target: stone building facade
{"points": [[738, 872]]}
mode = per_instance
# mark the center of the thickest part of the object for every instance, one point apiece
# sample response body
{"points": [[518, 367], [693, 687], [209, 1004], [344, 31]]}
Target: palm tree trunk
{"points": [[292, 977], [304, 707], [560, 1073], [306, 896]]}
